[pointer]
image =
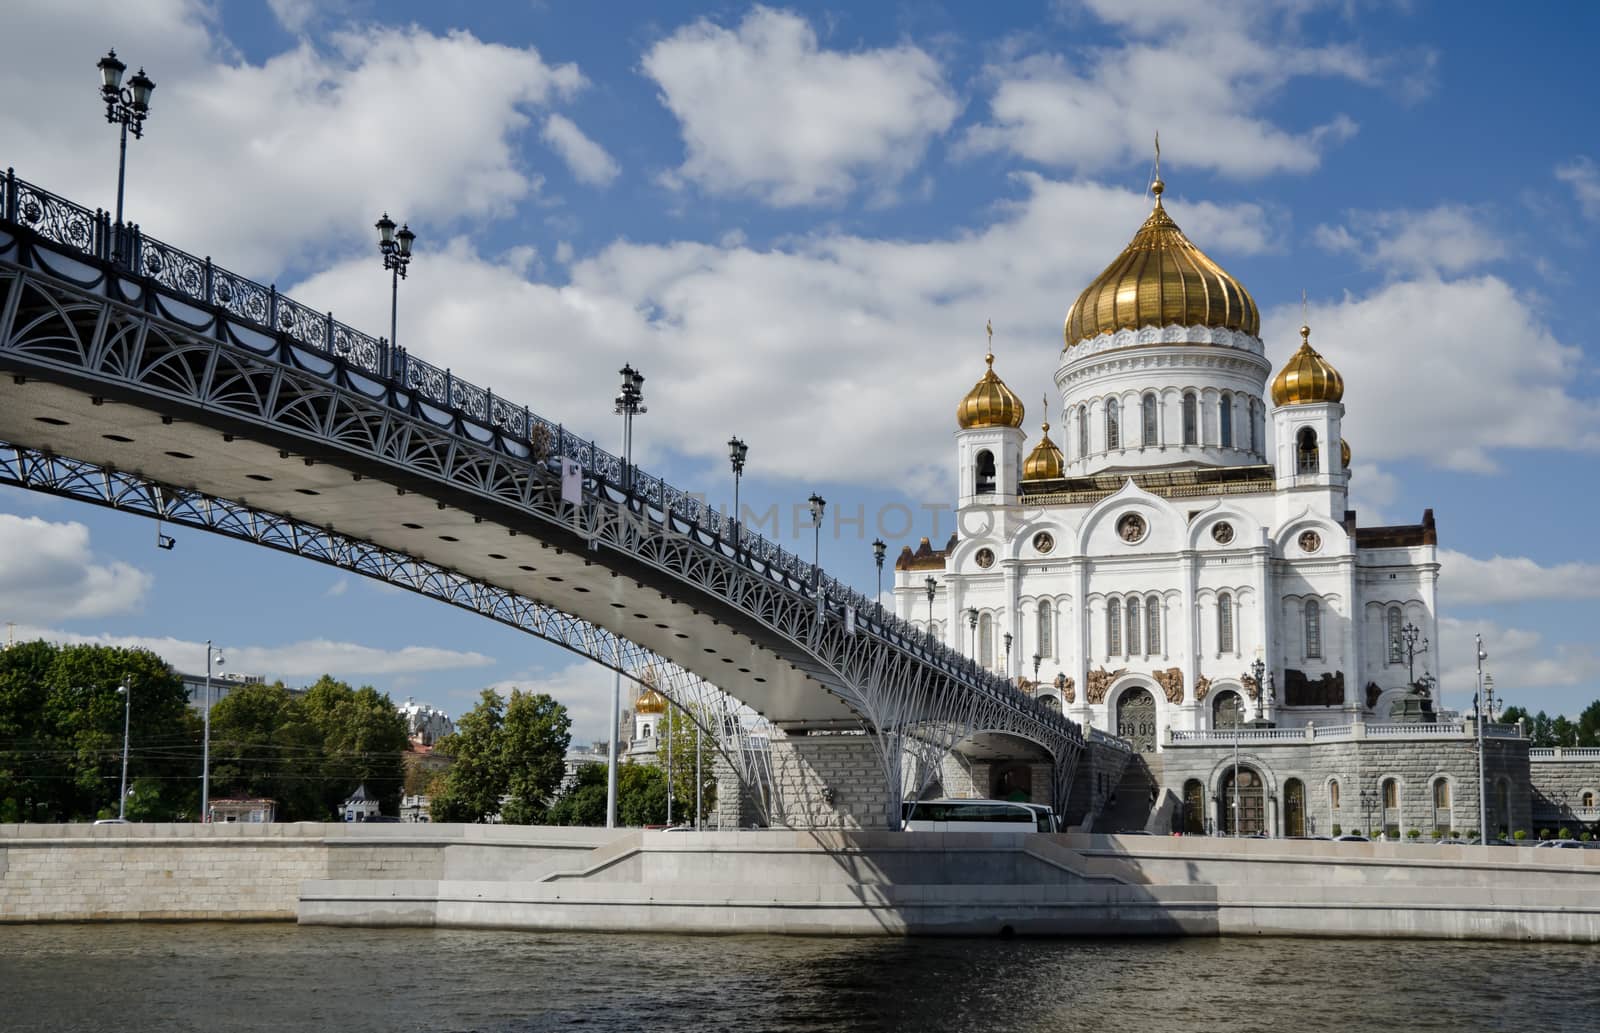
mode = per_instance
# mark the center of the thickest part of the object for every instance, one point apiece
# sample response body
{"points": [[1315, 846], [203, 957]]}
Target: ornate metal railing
{"points": [[1327, 733], [478, 412]]}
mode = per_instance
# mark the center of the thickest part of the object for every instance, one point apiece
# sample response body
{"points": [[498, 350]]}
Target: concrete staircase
{"points": [[1139, 803]]}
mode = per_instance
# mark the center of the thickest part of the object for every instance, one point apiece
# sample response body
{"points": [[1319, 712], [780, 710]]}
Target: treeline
{"points": [[1560, 730], [61, 731]]}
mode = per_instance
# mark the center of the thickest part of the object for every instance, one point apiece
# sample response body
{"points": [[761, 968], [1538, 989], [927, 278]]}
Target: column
{"points": [[1265, 623], [1353, 651], [1013, 622]]}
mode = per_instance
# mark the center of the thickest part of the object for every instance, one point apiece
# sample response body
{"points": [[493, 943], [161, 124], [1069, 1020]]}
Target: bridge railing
{"points": [[477, 411]]}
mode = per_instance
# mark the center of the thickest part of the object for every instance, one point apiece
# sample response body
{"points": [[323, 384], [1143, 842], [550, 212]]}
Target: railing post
{"points": [[211, 282], [9, 200], [329, 336], [449, 390], [272, 308]]}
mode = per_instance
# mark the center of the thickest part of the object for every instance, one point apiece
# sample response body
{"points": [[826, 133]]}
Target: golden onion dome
{"points": [[1161, 279], [650, 702], [1344, 453], [990, 403], [1045, 462], [1307, 378]]}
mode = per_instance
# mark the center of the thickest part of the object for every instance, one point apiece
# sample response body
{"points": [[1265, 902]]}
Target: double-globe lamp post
{"points": [[127, 106], [205, 739], [126, 691], [628, 404], [818, 505], [879, 549], [737, 451], [396, 249]]}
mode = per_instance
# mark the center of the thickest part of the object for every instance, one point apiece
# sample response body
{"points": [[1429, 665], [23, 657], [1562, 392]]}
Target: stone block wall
{"points": [[810, 768], [1561, 784]]}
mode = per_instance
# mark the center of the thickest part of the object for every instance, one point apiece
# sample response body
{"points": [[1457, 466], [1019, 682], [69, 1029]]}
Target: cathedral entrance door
{"points": [[1136, 719], [1252, 804], [1294, 808]]}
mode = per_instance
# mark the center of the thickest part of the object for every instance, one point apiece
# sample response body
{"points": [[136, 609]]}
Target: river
{"points": [[131, 978]]}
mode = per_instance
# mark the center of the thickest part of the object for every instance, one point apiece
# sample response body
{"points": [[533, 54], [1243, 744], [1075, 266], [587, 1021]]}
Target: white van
{"points": [[976, 816]]}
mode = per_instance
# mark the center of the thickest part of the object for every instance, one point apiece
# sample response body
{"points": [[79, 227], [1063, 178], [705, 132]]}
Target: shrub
{"points": [[1472, 835], [1564, 833], [1544, 833], [1337, 831], [1520, 835], [1375, 833], [1413, 835], [1438, 833], [1586, 837]]}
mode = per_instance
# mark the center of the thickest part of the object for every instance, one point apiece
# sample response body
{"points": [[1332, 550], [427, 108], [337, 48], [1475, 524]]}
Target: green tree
{"points": [[476, 779], [264, 745], [680, 729], [1589, 725], [534, 741], [584, 802], [641, 797], [364, 740]]}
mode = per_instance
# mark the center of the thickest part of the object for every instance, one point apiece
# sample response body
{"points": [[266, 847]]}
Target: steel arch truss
{"points": [[727, 722], [85, 321]]}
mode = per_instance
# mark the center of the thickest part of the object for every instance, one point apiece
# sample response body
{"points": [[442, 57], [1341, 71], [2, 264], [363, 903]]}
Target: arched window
{"points": [[1333, 795], [1586, 801], [986, 641], [1152, 625], [1224, 623], [1191, 419], [646, 730], [1044, 630], [1294, 807], [1114, 626], [1313, 629], [1225, 420], [1391, 820], [1227, 710], [1083, 431], [1306, 451], [1133, 625], [1149, 417], [1441, 804], [1397, 652], [1194, 808], [1255, 438], [1113, 424], [983, 473]]}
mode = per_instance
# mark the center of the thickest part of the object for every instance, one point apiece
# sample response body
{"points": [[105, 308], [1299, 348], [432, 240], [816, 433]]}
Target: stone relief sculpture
{"points": [[1250, 687], [1099, 681], [1171, 682], [1066, 687], [1202, 686]]}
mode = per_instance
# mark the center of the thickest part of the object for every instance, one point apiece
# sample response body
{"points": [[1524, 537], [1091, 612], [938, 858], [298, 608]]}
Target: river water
{"points": [[129, 978]]}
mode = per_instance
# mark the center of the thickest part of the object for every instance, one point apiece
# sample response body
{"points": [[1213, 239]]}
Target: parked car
{"points": [[1560, 844], [1351, 837], [112, 821]]}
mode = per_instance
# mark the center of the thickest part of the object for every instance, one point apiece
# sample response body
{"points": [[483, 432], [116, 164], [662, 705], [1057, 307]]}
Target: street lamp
{"points": [[1489, 701], [1477, 711], [396, 248], [126, 690], [932, 586], [1036, 659], [972, 635], [628, 404], [205, 746], [879, 548], [1008, 654], [818, 504], [737, 450], [1412, 642], [128, 106], [1369, 803]]}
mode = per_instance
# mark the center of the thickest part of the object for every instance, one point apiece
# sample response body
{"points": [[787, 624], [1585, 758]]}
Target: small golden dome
{"points": [[650, 702], [1307, 378], [1160, 279], [990, 403], [1045, 462], [1344, 453]]}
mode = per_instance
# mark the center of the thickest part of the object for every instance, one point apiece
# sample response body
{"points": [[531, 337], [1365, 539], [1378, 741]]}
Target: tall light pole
{"points": [[1413, 643], [396, 248], [1477, 710], [205, 747], [126, 689], [879, 549], [932, 586], [1008, 655], [670, 737], [737, 450], [972, 632], [1258, 669], [699, 780], [818, 505], [128, 106], [1036, 659], [628, 404]]}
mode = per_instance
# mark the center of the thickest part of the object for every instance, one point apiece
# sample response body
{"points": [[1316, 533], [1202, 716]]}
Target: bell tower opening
{"points": [[983, 473]]}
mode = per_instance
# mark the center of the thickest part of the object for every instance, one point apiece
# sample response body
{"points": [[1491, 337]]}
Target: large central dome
{"points": [[1161, 279]]}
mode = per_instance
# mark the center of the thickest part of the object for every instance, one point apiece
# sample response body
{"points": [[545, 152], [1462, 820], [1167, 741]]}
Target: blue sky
{"points": [[796, 221]]}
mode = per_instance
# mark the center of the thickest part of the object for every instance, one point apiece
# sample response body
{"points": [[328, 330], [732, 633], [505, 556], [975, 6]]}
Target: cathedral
{"points": [[1179, 567]]}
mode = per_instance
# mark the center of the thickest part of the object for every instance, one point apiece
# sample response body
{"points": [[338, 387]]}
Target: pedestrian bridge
{"points": [[142, 377]]}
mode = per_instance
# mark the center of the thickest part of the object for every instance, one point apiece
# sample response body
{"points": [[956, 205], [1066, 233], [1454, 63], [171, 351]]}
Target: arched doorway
{"points": [[1194, 808], [1227, 710], [1013, 782], [1294, 807], [1252, 803], [1136, 719]]}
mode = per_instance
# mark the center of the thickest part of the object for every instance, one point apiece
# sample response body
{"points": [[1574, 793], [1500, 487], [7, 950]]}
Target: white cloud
{"points": [[260, 164], [305, 660], [583, 687], [765, 111], [1469, 581], [1528, 670], [588, 161], [48, 571], [1492, 374], [1583, 176], [1447, 239], [293, 15], [1201, 73], [338, 588], [1372, 491], [805, 350]]}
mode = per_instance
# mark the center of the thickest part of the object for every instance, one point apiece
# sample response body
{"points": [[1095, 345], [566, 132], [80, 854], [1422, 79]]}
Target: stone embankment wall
{"points": [[158, 871]]}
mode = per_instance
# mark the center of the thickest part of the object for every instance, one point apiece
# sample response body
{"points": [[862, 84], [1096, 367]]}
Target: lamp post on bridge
{"points": [[628, 404], [818, 505], [1008, 656], [396, 248], [932, 586], [205, 746], [737, 450], [972, 632], [128, 106], [879, 549], [1036, 659]]}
